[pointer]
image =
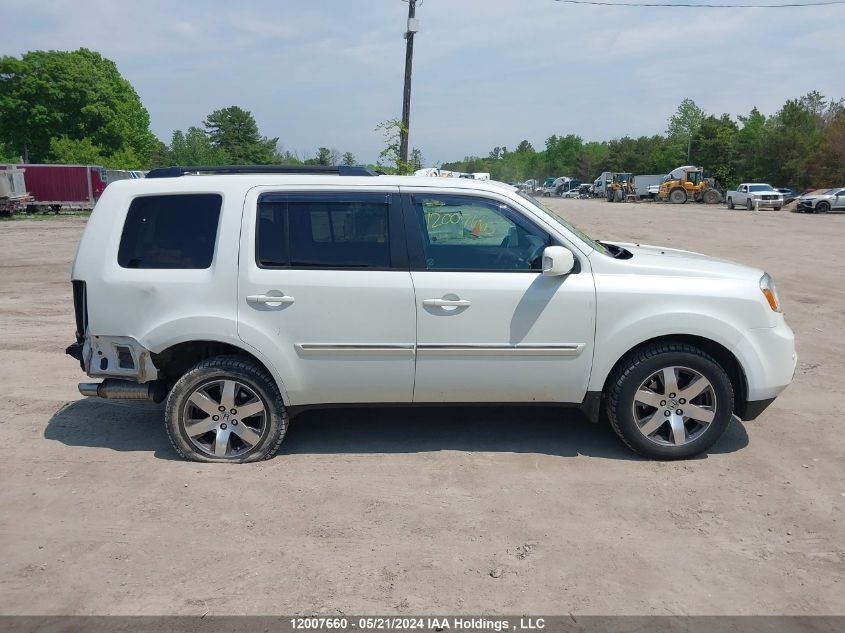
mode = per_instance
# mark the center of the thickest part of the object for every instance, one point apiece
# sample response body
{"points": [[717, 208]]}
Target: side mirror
{"points": [[557, 261]]}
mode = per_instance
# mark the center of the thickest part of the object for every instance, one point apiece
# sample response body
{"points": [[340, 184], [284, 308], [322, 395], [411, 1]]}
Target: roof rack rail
{"points": [[338, 170]]}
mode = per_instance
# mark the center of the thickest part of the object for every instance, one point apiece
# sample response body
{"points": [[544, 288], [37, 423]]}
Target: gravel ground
{"points": [[419, 511]]}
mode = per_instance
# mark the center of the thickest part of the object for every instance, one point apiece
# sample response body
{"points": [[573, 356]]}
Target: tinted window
{"points": [[176, 231], [323, 231], [467, 233]]}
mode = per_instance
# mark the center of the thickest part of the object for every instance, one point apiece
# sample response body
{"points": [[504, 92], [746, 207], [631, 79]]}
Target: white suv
{"points": [[243, 298]]}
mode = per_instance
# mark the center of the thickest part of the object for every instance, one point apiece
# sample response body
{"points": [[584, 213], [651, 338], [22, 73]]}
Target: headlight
{"points": [[767, 286]]}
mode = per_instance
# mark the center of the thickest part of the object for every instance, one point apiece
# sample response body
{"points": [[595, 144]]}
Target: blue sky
{"points": [[486, 73]]}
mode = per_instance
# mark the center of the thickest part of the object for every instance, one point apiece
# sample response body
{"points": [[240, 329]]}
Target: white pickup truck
{"points": [[753, 195]]}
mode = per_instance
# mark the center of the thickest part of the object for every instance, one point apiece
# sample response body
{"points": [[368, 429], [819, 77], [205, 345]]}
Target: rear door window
{"points": [[324, 231], [170, 231]]}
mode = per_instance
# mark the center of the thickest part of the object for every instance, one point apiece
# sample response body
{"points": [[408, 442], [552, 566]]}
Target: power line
{"points": [[817, 3]]}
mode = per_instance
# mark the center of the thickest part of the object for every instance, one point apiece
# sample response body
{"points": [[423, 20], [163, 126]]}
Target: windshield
{"points": [[555, 217], [760, 188]]}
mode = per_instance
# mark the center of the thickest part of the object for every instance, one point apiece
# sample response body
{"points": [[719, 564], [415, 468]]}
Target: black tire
{"points": [[731, 203], [748, 204], [778, 208], [823, 207], [678, 196], [244, 371], [636, 368], [711, 196], [618, 196]]}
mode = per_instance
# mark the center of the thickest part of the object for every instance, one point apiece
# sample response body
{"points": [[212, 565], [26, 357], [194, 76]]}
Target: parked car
{"points": [[822, 201], [242, 299], [788, 194], [755, 195], [572, 193]]}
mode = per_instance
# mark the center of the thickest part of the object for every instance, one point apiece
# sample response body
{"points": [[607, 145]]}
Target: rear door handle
{"points": [[270, 299], [447, 303]]}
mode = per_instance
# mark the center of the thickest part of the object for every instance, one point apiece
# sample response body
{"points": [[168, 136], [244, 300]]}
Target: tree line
{"points": [[75, 107], [801, 145]]}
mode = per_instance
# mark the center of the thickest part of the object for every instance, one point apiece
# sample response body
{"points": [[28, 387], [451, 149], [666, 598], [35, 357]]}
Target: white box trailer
{"points": [[644, 181]]}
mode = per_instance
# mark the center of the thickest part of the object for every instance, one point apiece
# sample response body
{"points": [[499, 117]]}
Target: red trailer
{"points": [[56, 186]]}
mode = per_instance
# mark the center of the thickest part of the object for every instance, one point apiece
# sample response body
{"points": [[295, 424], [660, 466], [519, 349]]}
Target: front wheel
{"points": [[748, 204], [711, 196], [669, 401], [678, 196], [226, 409], [730, 203], [822, 207]]}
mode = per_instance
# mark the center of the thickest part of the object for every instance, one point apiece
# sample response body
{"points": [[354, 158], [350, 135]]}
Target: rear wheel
{"points": [[669, 401], [226, 409], [823, 207], [678, 196]]}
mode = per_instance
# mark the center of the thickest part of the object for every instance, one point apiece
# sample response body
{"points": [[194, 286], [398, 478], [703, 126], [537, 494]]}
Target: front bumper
{"points": [[805, 205], [753, 408], [769, 358], [767, 203]]}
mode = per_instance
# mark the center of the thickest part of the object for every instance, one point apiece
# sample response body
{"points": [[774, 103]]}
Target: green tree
{"points": [[684, 124], [80, 151], [415, 160], [77, 95], [792, 136], [348, 159], [561, 155], [235, 131], [524, 147], [827, 165], [7, 155], [194, 147], [389, 159], [324, 156], [750, 141], [590, 161], [717, 149]]}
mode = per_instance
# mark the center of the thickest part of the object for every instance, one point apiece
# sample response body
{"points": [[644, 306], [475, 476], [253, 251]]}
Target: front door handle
{"points": [[447, 303], [270, 299]]}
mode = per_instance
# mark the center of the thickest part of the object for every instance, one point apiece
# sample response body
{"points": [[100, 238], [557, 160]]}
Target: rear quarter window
{"points": [[170, 231]]}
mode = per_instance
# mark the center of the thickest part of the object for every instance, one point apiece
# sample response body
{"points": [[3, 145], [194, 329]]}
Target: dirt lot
{"points": [[410, 511]]}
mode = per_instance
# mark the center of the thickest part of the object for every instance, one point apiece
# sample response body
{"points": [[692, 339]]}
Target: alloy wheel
{"points": [[674, 406], [224, 418]]}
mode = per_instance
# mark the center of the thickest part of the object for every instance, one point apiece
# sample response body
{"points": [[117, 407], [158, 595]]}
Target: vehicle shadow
{"points": [[138, 426]]}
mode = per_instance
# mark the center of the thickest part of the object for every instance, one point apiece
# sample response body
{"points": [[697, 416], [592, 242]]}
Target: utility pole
{"points": [[406, 95]]}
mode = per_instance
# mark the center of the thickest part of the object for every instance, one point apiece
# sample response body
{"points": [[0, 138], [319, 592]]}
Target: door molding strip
{"points": [[332, 348], [522, 349]]}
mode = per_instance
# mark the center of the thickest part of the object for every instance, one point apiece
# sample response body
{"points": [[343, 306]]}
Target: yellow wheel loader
{"points": [[685, 183], [620, 187]]}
